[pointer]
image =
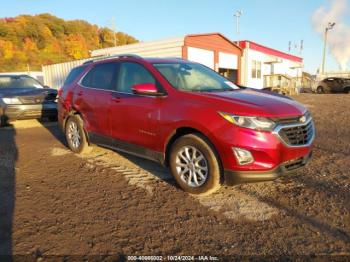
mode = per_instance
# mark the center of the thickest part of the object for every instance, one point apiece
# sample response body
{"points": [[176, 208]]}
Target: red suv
{"points": [[185, 116]]}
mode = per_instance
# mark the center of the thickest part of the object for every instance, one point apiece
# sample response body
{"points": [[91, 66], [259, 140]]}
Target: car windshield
{"points": [[18, 82], [194, 77]]}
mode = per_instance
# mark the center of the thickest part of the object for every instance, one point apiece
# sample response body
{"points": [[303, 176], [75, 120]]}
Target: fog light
{"points": [[244, 157]]}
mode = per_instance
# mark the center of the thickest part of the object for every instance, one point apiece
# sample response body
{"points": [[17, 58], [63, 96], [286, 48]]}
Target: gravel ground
{"points": [[56, 203]]}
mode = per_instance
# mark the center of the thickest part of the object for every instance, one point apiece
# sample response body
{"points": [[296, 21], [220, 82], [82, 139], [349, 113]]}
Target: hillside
{"points": [[31, 41]]}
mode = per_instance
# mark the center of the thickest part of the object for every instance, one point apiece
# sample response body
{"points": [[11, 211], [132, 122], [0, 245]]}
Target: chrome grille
{"points": [[298, 135], [290, 120]]}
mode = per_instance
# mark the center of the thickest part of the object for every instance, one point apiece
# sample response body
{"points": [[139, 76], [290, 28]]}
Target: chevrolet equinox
{"points": [[206, 129]]}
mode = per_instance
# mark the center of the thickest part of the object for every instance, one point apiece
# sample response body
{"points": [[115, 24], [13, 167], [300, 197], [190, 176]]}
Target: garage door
{"points": [[228, 61], [202, 56]]}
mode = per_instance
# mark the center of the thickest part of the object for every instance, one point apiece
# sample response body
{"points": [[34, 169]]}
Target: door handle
{"points": [[80, 93], [116, 99]]}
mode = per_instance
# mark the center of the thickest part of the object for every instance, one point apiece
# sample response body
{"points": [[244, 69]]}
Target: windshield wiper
{"points": [[219, 90], [208, 90]]}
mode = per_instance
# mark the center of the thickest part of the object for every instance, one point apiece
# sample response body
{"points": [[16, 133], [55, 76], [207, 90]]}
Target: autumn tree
{"points": [[31, 41], [76, 46]]}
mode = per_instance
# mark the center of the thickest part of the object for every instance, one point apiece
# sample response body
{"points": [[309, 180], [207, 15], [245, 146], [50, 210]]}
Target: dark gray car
{"points": [[333, 85], [23, 97]]}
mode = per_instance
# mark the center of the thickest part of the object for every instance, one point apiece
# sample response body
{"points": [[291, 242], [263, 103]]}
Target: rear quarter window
{"points": [[74, 74]]}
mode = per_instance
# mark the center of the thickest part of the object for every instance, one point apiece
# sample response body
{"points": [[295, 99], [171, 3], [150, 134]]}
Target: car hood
{"points": [[16, 92], [256, 102]]}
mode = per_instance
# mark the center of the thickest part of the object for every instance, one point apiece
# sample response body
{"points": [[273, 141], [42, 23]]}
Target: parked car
{"points": [[185, 116], [23, 97], [333, 85]]}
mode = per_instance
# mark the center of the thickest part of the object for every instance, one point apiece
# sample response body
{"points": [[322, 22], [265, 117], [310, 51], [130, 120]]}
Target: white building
{"points": [[262, 66], [211, 49], [248, 64]]}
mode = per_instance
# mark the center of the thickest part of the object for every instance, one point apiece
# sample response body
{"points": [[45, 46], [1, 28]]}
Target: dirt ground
{"points": [[53, 202]]}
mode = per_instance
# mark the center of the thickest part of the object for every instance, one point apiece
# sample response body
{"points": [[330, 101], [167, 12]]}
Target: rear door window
{"points": [[102, 76]]}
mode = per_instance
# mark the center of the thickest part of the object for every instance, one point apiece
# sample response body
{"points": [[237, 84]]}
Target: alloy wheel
{"points": [[191, 166], [73, 135]]}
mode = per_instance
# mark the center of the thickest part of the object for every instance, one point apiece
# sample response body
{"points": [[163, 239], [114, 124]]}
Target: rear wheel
{"points": [[2, 121], [53, 118], [347, 90], [319, 90], [75, 135], [195, 165]]}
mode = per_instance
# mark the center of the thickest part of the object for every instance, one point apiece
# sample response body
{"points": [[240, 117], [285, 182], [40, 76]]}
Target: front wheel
{"points": [[75, 135], [195, 165]]}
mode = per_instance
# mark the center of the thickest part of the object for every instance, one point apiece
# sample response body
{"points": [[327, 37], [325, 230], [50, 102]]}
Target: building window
{"points": [[256, 69]]}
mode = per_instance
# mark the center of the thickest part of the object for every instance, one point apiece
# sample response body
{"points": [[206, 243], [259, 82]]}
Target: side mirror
{"points": [[146, 89]]}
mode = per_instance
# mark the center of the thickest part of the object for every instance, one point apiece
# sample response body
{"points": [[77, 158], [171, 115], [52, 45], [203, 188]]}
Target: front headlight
{"points": [[252, 122], [11, 101]]}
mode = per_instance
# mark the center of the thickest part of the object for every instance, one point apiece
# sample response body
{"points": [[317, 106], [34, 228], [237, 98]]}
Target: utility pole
{"points": [[238, 15], [113, 27], [289, 46], [328, 27]]}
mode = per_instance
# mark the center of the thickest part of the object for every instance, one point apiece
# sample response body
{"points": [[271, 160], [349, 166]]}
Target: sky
{"points": [[269, 22]]}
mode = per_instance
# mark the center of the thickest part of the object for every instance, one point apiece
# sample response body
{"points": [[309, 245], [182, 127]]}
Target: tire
{"points": [[347, 90], [3, 121], [319, 90], [52, 118], [75, 135], [182, 165]]}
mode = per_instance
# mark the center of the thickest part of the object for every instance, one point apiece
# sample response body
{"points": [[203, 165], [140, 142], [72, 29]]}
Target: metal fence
{"points": [[55, 75]]}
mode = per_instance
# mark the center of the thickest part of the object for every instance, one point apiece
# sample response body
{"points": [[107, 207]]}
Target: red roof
{"points": [[269, 51], [215, 33]]}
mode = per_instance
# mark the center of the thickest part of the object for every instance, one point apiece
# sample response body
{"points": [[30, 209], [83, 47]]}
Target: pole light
{"points": [[238, 15], [328, 27]]}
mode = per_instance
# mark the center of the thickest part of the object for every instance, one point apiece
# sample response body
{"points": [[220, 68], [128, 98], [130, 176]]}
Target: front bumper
{"points": [[17, 112], [269, 149], [285, 169]]}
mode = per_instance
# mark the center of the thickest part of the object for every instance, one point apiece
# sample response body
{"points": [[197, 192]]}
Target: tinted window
{"points": [[101, 76], [74, 74], [133, 74], [19, 82]]}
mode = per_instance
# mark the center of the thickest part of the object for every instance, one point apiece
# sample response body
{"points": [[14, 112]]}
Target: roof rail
{"points": [[176, 58], [113, 56]]}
